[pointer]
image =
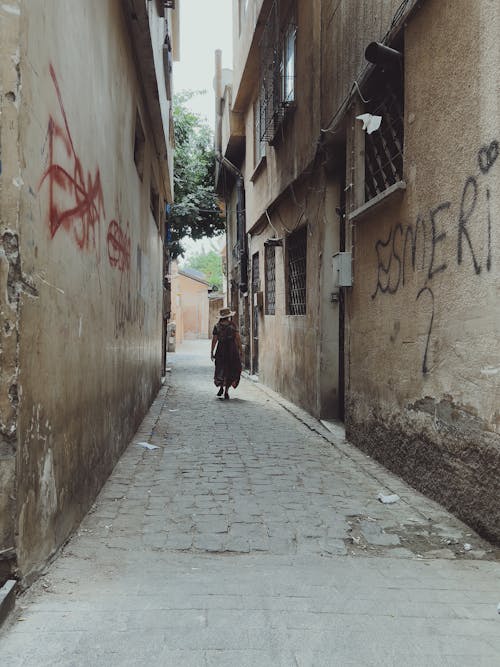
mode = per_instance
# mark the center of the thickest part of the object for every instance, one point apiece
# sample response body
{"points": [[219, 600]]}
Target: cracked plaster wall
{"points": [[424, 335], [80, 266], [9, 302]]}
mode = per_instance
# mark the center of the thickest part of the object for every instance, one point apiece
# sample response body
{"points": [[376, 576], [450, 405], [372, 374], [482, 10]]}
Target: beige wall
{"points": [[424, 339], [296, 149], [190, 307], [88, 277], [215, 304], [422, 336], [289, 345], [10, 86], [245, 45]]}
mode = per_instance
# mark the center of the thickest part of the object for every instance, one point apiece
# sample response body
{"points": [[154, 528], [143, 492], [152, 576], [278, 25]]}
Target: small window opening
{"points": [[297, 271], [154, 203], [139, 146], [270, 275]]}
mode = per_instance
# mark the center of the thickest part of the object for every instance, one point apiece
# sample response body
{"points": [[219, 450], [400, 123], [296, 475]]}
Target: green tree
{"points": [[196, 211], [210, 264]]}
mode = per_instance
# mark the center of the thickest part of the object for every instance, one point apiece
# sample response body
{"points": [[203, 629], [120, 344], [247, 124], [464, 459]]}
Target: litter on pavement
{"points": [[388, 500], [146, 445]]}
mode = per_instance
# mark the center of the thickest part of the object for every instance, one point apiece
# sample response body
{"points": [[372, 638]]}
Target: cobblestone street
{"points": [[253, 536]]}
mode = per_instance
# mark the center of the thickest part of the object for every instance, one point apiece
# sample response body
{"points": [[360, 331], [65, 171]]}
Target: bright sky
{"points": [[205, 25]]}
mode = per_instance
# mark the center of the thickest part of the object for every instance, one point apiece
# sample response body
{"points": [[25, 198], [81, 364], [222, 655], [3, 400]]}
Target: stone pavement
{"points": [[253, 537]]}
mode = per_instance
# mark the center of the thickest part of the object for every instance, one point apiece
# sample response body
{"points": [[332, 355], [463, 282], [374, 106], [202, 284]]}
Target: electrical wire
{"points": [[269, 221]]}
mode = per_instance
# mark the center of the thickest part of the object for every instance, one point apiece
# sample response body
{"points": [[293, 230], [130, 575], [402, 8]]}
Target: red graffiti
{"points": [[118, 246], [76, 200]]}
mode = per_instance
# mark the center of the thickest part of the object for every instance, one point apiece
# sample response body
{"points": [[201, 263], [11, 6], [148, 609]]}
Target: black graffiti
{"points": [[386, 270], [412, 235], [425, 240], [465, 214], [424, 290], [487, 156], [436, 239]]}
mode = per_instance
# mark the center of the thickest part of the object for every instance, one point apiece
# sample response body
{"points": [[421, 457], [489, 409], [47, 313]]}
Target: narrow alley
{"points": [[252, 536]]}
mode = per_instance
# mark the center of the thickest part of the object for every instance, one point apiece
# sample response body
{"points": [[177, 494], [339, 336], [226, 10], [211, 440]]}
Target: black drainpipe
{"points": [[240, 221], [242, 237]]}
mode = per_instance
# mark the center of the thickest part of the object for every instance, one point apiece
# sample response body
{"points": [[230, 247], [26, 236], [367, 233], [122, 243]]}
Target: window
{"points": [[288, 65], [139, 145], [277, 70], [154, 202], [384, 147], [259, 145], [296, 247], [270, 269]]}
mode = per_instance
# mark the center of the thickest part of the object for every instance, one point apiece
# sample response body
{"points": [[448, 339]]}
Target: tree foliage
{"points": [[210, 264], [195, 212]]}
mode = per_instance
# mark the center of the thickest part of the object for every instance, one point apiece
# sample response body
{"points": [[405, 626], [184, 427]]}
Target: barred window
{"points": [[259, 144], [296, 246], [270, 260], [384, 147], [255, 273], [288, 63], [277, 68]]}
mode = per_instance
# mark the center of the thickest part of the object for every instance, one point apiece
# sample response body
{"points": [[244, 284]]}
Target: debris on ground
{"points": [[388, 499], [147, 445]]}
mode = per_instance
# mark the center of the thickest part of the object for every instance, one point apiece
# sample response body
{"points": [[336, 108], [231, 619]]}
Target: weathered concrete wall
{"points": [[296, 147], [424, 337], [289, 345], [83, 263], [10, 278], [246, 41]]}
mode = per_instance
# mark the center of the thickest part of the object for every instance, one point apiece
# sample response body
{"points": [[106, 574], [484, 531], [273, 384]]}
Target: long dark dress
{"points": [[227, 356]]}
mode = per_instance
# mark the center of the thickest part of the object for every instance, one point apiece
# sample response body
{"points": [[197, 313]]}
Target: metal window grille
{"points": [[259, 145], [277, 71], [297, 271], [255, 273], [384, 148], [270, 260], [288, 65]]}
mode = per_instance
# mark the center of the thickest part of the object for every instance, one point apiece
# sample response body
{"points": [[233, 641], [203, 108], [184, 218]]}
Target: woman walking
{"points": [[228, 353]]}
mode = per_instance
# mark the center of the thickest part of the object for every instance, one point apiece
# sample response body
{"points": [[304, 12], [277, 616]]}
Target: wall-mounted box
{"points": [[342, 269], [258, 300]]}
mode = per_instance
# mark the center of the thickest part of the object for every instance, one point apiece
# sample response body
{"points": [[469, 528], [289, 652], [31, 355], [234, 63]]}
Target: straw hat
{"points": [[226, 312]]}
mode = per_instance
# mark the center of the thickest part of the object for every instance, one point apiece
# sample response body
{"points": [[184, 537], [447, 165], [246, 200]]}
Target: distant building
{"points": [[190, 304], [359, 164], [86, 135]]}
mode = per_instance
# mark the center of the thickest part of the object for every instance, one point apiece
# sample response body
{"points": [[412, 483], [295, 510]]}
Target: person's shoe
{"points": [[226, 395], [220, 392]]}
